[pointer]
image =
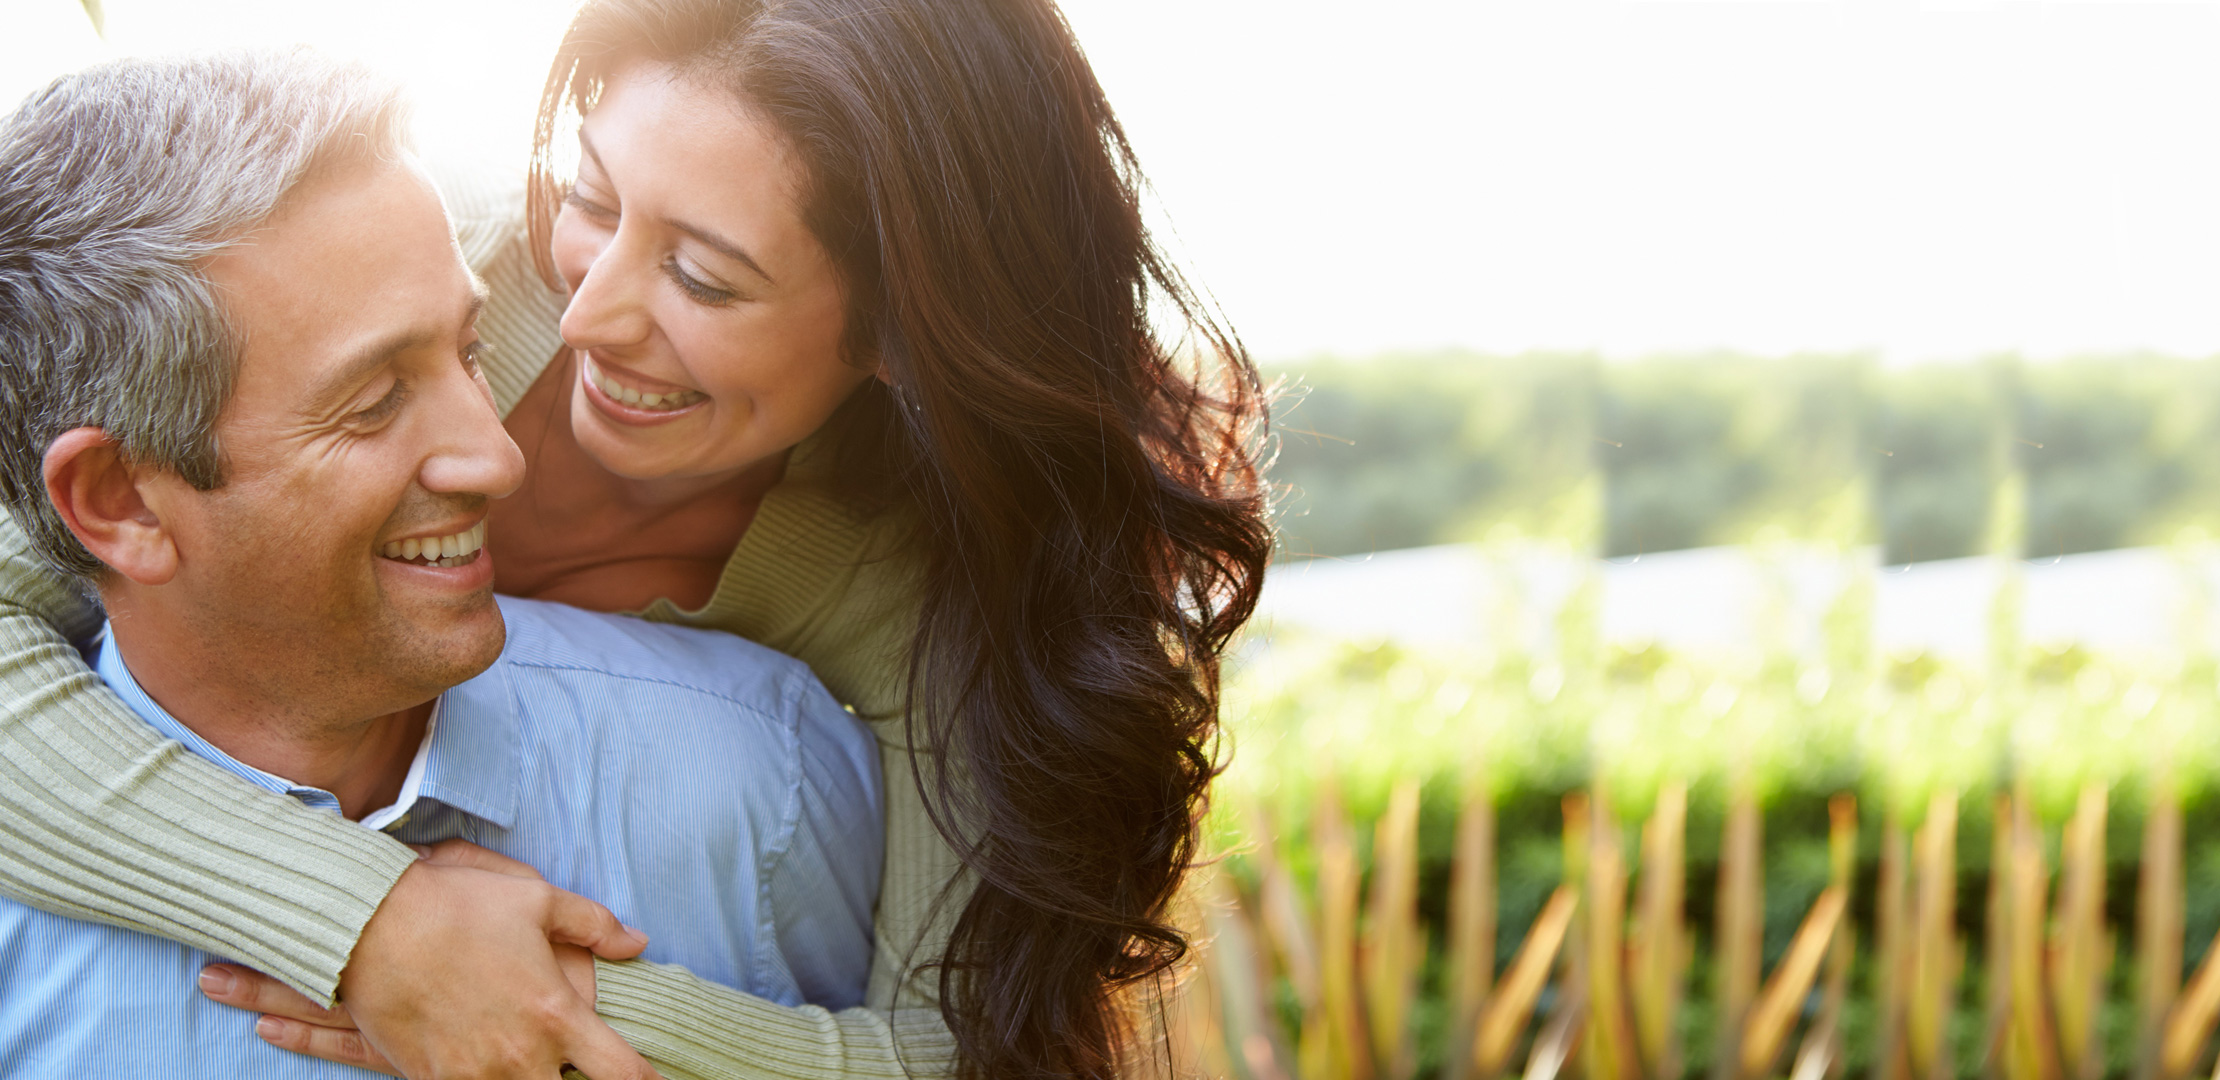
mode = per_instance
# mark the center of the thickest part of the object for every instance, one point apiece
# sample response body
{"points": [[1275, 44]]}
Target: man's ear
{"points": [[99, 496]]}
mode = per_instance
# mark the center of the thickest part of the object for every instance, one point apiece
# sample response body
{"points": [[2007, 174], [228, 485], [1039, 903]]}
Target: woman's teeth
{"points": [[677, 399], [452, 550]]}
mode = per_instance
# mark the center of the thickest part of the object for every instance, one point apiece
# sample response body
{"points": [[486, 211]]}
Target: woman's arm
{"points": [[106, 821], [688, 1027], [694, 1029]]}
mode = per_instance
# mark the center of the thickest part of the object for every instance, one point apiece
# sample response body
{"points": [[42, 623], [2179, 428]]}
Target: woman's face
{"points": [[706, 316]]}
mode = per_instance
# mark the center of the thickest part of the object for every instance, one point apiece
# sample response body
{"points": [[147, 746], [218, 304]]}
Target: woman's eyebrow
{"points": [[723, 246], [718, 243]]}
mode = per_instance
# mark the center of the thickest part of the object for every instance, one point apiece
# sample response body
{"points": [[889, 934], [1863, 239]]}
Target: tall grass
{"points": [[1621, 864]]}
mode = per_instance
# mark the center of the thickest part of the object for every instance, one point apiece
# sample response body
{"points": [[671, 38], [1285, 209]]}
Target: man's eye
{"points": [[384, 409], [473, 357]]}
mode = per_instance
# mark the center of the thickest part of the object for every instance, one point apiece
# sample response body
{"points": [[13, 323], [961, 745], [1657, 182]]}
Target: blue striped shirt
{"points": [[708, 790]]}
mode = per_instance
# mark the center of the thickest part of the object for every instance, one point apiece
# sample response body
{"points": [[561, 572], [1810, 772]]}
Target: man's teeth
{"points": [[651, 402], [452, 550]]}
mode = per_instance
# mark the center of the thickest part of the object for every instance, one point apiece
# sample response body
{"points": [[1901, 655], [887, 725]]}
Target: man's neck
{"points": [[362, 761]]}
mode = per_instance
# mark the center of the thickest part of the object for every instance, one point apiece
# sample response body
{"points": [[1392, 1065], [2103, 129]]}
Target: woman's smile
{"points": [[628, 398]]}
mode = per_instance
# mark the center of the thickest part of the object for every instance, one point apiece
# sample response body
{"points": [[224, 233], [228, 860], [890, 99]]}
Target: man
{"points": [[239, 398]]}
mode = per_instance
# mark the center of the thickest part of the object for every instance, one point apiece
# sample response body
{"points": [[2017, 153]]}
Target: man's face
{"points": [[359, 423]]}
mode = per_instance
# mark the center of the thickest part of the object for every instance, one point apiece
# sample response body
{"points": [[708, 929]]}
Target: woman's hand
{"points": [[476, 968]]}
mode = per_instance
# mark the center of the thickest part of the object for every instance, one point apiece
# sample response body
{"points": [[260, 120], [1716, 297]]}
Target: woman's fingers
{"points": [[604, 1055], [458, 974], [578, 967], [343, 1045], [574, 920], [465, 853], [246, 988]]}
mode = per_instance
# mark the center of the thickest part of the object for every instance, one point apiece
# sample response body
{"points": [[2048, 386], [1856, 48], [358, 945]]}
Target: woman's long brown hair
{"points": [[1091, 518]]}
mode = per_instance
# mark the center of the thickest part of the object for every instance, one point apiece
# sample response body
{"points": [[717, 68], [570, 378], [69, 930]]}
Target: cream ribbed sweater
{"points": [[102, 820]]}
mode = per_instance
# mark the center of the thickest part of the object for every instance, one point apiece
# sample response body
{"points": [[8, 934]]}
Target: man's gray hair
{"points": [[117, 184]]}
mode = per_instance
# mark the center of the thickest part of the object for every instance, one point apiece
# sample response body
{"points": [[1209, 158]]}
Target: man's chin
{"points": [[453, 644]]}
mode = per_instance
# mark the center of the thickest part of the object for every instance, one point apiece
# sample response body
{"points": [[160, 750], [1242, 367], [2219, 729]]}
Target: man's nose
{"points": [[608, 308], [472, 453]]}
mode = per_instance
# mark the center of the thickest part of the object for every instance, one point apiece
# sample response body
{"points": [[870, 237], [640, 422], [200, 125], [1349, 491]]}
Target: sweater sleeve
{"points": [[106, 821], [693, 1029]]}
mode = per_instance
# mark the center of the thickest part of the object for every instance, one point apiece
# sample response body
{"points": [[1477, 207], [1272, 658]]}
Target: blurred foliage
{"points": [[1831, 453], [1685, 451], [2117, 452], [1400, 451], [1709, 450], [1364, 716]]}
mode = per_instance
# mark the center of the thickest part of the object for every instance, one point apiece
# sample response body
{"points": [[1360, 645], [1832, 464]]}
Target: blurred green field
{"points": [[2001, 458], [1684, 451]]}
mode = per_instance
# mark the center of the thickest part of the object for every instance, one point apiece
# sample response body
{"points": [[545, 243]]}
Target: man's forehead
{"points": [[355, 264]]}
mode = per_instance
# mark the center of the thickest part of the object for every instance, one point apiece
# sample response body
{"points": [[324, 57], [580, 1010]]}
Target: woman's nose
{"points": [[608, 308]]}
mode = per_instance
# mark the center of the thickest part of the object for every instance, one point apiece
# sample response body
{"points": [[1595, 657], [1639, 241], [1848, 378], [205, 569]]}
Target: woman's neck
{"points": [[583, 535]]}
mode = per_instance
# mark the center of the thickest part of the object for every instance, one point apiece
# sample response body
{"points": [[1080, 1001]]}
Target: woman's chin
{"points": [[633, 452]]}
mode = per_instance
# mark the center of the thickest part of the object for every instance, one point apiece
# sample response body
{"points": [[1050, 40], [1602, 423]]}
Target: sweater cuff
{"points": [[692, 1029]]}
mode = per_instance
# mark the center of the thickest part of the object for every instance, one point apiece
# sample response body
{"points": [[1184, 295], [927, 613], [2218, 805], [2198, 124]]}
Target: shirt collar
{"points": [[468, 759], [476, 756]]}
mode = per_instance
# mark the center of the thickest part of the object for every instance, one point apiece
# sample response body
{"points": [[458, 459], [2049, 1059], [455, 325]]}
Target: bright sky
{"points": [[1926, 178]]}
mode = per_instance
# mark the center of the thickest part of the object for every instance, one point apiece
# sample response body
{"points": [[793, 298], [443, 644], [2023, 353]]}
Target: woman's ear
{"points": [[99, 496]]}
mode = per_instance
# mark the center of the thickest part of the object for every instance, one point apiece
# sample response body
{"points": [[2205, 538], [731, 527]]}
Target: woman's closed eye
{"points": [[585, 204], [701, 291]]}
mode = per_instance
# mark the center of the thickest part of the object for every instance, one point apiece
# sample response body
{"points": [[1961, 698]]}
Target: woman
{"points": [[860, 365]]}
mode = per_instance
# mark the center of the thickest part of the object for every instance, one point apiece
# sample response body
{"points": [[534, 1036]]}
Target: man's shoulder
{"points": [[543, 635], [673, 699]]}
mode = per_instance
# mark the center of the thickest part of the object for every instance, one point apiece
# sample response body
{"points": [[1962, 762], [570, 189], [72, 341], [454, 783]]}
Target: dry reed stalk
{"points": [[2031, 1045], [1192, 1028], [1288, 923], [1658, 955], [1572, 958], [2189, 1026], [1996, 931], [1347, 1052], [2081, 946], [1739, 937], [1472, 931], [1766, 1029], [1610, 1045], [1242, 974], [1893, 970], [1554, 1047], [1936, 953], [1511, 1007], [2159, 896], [1283, 910], [1821, 1052], [1394, 941]]}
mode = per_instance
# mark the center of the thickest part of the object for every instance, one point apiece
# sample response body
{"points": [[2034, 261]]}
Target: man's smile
{"points": [[454, 549]]}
